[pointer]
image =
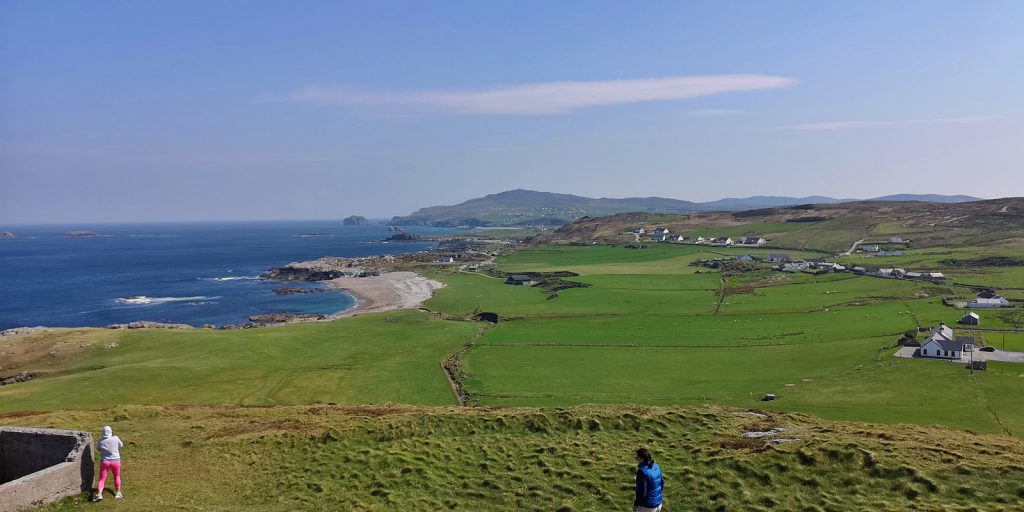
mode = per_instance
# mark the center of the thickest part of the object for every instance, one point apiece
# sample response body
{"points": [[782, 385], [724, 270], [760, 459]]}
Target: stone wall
{"points": [[42, 465]]}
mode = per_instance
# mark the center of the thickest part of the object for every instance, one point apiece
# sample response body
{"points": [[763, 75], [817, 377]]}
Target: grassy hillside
{"points": [[369, 359], [826, 227], [425, 459], [653, 351]]}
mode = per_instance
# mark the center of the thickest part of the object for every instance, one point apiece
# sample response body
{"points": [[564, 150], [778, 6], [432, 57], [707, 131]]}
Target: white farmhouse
{"points": [[994, 302], [943, 345]]}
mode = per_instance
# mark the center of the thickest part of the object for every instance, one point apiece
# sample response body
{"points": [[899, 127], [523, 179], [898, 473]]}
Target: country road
{"points": [[853, 247]]}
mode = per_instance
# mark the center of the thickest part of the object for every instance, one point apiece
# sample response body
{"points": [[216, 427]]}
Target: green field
{"points": [[366, 359], [653, 351]]}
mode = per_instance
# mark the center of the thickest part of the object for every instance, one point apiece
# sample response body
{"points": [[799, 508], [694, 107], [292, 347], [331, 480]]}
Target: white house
{"points": [[869, 248], [446, 259], [943, 345], [661, 231], [995, 302], [702, 240], [754, 240], [677, 238], [639, 231]]}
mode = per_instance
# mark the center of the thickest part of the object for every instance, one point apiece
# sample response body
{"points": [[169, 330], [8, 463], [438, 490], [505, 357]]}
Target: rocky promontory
{"points": [[354, 220], [149, 325], [404, 236], [6, 234], [280, 318], [323, 269]]}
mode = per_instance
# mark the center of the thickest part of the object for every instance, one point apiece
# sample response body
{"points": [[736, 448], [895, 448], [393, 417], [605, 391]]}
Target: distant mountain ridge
{"points": [[521, 207]]}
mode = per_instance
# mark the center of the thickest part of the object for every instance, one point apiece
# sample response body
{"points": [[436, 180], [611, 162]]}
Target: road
{"points": [[853, 247]]}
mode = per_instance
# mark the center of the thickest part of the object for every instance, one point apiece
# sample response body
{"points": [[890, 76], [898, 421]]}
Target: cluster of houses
{"points": [[879, 251], [665, 235]]}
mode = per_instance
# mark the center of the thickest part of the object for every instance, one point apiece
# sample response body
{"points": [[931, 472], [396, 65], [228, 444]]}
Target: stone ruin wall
{"points": [[40, 465]]}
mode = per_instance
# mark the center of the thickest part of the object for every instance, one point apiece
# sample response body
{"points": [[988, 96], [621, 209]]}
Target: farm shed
{"points": [[518, 279], [971, 318], [995, 302], [778, 258]]}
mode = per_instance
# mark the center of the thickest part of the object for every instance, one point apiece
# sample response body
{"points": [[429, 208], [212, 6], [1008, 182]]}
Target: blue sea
{"points": [[201, 273]]}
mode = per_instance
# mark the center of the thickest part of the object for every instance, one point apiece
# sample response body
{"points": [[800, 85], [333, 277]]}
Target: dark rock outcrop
{"points": [[354, 220], [294, 290], [403, 236], [80, 233], [279, 318]]}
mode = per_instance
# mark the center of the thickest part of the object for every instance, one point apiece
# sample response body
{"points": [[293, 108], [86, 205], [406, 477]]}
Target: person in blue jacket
{"points": [[649, 483]]}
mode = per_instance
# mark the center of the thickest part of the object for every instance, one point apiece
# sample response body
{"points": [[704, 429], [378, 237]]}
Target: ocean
{"points": [[197, 273]]}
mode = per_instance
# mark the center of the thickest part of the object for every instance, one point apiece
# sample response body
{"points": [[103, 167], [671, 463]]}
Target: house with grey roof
{"points": [[995, 302], [942, 344]]}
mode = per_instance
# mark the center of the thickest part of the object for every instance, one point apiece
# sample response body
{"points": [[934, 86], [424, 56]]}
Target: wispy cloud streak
{"points": [[854, 125], [547, 98]]}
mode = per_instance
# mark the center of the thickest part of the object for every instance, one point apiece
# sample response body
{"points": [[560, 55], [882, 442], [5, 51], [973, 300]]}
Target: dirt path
{"points": [[853, 247]]}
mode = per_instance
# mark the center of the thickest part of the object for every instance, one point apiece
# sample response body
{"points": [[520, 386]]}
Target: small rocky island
{"points": [[354, 220], [82, 234], [403, 236], [6, 234]]}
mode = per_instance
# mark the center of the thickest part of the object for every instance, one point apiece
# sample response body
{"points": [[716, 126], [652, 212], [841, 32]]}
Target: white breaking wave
{"points": [[144, 300], [229, 278]]}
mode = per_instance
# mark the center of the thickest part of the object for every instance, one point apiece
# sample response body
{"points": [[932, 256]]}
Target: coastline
{"points": [[388, 291]]}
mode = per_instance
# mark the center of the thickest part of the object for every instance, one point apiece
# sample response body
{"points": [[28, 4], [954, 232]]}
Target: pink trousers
{"points": [[109, 465]]}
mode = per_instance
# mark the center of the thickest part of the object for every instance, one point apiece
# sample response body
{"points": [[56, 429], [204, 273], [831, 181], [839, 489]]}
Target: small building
{"points": [[913, 275], [778, 258], [884, 272], [869, 248], [701, 240], [971, 318], [639, 231], [744, 257], [659, 237], [937, 277], [942, 345], [895, 240], [445, 259], [677, 238], [987, 294], [899, 273], [754, 240], [882, 253], [518, 280], [995, 302], [661, 231], [860, 271]]}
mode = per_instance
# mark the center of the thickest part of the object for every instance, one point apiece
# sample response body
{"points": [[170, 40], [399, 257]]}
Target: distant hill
{"points": [[532, 208], [931, 198], [529, 207]]}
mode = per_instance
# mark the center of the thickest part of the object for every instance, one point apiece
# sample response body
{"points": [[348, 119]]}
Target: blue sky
{"points": [[134, 111]]}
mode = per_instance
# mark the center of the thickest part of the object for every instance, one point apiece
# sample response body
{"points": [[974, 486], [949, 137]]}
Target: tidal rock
{"points": [[354, 220], [278, 318], [6, 234], [149, 325], [292, 291], [81, 233]]}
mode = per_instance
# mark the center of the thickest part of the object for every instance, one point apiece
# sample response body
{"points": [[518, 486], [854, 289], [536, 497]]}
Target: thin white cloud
{"points": [[713, 112], [854, 125], [548, 98]]}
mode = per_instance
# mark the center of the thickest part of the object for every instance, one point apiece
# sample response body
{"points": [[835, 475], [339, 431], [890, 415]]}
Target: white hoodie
{"points": [[110, 445]]}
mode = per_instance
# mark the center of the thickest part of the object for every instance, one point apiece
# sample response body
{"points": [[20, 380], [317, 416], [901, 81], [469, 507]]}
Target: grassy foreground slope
{"points": [[424, 459], [369, 359]]}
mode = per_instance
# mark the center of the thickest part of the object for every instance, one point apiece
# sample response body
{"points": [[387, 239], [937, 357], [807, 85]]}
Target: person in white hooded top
{"points": [[110, 461]]}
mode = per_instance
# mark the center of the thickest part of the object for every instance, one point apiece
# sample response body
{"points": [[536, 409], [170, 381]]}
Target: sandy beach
{"points": [[386, 292]]}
